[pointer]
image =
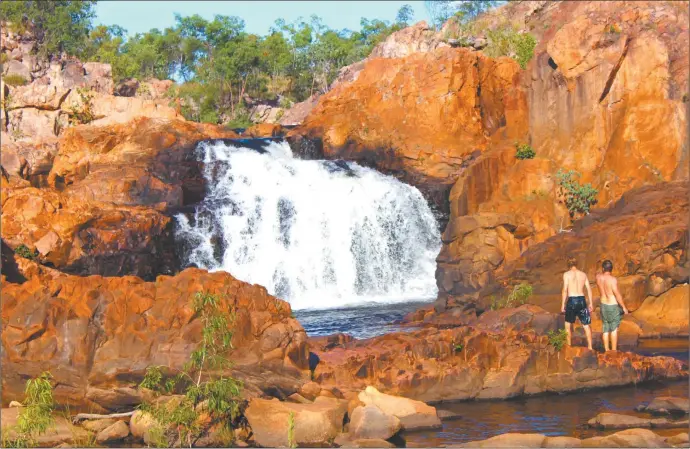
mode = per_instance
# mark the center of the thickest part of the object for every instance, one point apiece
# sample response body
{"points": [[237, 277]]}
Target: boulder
{"points": [[115, 432], [315, 424], [669, 404], [13, 67], [617, 421], [510, 440], [99, 77], [38, 96], [140, 425], [264, 130], [413, 415], [310, 390], [667, 313], [72, 75], [127, 88], [677, 440], [370, 422], [561, 442], [626, 438], [163, 149], [139, 324], [98, 425]]}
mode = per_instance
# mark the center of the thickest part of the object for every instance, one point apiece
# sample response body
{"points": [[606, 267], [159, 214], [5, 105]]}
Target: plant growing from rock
{"points": [[517, 297], [291, 430], [524, 151], [24, 251], [558, 338], [206, 388], [15, 80], [578, 198], [82, 113], [35, 417]]}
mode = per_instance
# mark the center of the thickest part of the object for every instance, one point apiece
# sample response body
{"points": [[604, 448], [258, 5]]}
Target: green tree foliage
{"points": [[58, 26], [464, 11], [578, 198], [221, 68], [203, 380], [36, 415]]}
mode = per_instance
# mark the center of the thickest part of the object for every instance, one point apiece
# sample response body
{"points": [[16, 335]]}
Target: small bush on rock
{"points": [[36, 415], [578, 198], [15, 80], [24, 251], [517, 297], [558, 338], [524, 151], [202, 380], [82, 113], [509, 41]]}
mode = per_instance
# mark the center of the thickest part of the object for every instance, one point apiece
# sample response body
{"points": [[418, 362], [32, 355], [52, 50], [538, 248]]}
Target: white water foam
{"points": [[320, 234]]}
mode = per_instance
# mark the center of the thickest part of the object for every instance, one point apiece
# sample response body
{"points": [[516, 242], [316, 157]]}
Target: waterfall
{"points": [[319, 234]]}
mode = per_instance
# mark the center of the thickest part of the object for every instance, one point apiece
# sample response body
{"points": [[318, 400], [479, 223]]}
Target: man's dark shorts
{"points": [[576, 307]]}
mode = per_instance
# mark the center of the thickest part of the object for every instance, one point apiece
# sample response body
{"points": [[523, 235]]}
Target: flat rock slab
{"points": [[61, 432], [617, 421], [668, 404], [413, 415]]}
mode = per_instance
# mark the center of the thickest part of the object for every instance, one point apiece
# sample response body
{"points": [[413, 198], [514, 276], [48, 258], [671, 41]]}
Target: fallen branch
{"points": [[85, 416]]}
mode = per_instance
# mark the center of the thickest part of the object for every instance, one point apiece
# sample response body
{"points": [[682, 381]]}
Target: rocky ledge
{"points": [[98, 335], [467, 363]]}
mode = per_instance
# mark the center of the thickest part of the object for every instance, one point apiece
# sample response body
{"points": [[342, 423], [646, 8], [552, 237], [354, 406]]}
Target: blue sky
{"points": [[259, 16]]}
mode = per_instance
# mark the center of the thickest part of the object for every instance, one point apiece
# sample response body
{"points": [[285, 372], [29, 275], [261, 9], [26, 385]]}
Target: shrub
{"points": [[524, 151], [36, 415], [558, 339], [82, 113], [578, 198], [24, 251], [508, 41], [517, 297], [201, 379], [4, 58], [15, 80]]}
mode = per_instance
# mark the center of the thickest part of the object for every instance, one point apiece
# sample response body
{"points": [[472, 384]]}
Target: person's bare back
{"points": [[608, 285], [575, 281]]}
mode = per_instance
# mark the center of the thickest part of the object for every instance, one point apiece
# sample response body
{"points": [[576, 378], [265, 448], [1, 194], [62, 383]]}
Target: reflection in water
{"points": [[553, 415]]}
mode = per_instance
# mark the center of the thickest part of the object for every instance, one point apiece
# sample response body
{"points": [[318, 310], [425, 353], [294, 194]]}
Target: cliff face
{"points": [[605, 94]]}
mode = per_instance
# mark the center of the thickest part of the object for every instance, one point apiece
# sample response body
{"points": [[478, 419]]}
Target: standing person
{"points": [[611, 305], [574, 284]]}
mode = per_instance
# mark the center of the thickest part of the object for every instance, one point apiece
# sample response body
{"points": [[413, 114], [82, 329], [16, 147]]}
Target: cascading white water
{"points": [[320, 234]]}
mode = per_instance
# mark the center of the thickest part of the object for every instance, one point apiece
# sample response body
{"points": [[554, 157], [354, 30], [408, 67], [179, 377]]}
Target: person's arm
{"points": [[619, 297], [589, 294], [564, 293]]}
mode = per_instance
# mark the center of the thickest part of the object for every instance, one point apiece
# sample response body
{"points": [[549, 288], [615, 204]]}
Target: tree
{"points": [[59, 26], [206, 386], [439, 11], [469, 9], [35, 417], [405, 15]]}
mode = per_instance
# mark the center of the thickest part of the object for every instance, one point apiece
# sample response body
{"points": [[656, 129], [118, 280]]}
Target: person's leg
{"points": [[568, 331], [614, 340], [588, 333], [605, 337]]}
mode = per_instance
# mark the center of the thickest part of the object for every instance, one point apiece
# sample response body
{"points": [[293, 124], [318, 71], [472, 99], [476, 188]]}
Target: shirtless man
{"points": [[611, 305], [574, 284]]}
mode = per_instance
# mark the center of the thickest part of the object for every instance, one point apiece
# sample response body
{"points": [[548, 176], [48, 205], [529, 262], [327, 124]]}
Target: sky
{"points": [[259, 16]]}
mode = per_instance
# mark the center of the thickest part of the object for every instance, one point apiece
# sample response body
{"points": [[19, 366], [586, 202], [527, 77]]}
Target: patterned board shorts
{"points": [[576, 307]]}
